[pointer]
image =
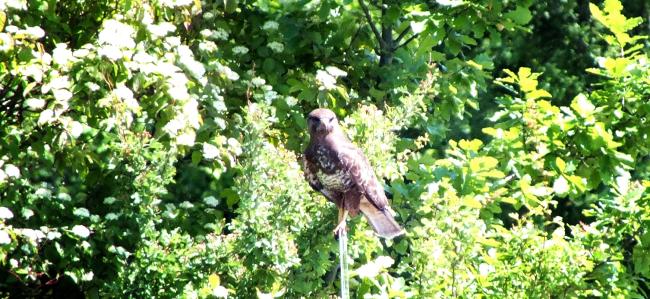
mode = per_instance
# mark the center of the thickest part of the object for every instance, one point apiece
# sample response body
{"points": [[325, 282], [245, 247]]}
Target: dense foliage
{"points": [[151, 148]]}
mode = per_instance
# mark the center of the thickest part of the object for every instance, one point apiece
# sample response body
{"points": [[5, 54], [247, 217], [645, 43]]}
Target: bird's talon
{"points": [[341, 228]]}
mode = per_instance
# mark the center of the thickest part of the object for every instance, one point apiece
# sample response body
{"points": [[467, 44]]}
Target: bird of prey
{"points": [[336, 168]]}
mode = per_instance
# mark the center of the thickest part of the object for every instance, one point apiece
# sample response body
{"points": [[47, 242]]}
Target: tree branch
{"points": [[372, 25], [401, 35], [354, 37], [407, 41]]}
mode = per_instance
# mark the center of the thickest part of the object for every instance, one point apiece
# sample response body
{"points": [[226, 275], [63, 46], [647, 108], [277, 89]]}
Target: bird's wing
{"points": [[374, 205], [310, 170], [356, 165]]}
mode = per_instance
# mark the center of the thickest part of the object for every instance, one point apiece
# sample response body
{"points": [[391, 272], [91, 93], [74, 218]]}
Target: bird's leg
{"points": [[341, 227]]}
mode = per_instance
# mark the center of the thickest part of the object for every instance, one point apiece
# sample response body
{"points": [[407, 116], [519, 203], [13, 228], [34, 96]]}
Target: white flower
{"points": [[452, 3], [35, 71], [6, 213], [175, 3], [35, 104], [126, 95], [368, 270], [123, 92], [208, 16], [53, 235], [173, 126], [32, 235], [211, 201], [205, 33], [81, 231], [45, 117], [220, 34], [59, 83], [62, 95], [109, 200], [111, 52], [257, 81], [372, 268], [81, 212], [291, 101], [33, 32], [92, 86], [187, 61], [270, 26], [88, 276], [76, 129], [27, 213], [208, 46], [4, 237], [3, 176], [276, 47], [111, 216], [161, 29], [186, 138], [6, 42], [210, 151], [325, 80], [336, 72], [43, 192], [81, 53], [384, 261], [485, 269], [177, 78], [117, 34], [230, 74], [220, 292], [239, 50], [143, 57], [178, 92], [12, 171], [172, 41], [186, 205], [15, 4], [191, 113], [61, 54], [561, 186]]}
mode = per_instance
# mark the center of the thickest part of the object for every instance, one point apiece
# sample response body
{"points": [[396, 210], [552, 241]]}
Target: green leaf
{"points": [[520, 16], [561, 166], [538, 93], [483, 163], [582, 106], [473, 145], [471, 201], [489, 242]]}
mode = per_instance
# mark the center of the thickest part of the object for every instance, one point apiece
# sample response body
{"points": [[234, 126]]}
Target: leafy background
{"points": [[151, 148]]}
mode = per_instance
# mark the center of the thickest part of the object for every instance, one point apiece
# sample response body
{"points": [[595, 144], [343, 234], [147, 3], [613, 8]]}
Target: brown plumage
{"points": [[340, 171]]}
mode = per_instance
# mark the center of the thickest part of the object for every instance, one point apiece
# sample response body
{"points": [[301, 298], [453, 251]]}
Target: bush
{"points": [[152, 148]]}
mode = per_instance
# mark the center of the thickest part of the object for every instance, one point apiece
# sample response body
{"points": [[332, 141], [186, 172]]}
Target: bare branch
{"points": [[401, 35], [366, 12], [408, 41]]}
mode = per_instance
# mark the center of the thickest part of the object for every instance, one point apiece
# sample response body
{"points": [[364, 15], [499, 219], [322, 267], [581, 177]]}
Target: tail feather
{"points": [[382, 221]]}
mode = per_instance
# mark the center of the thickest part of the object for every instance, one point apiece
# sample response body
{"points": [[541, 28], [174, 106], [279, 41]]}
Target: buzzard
{"points": [[336, 168]]}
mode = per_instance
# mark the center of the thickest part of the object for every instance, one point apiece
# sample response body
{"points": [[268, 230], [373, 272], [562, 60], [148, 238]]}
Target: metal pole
{"points": [[343, 261]]}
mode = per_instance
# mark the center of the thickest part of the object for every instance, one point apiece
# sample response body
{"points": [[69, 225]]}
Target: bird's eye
{"points": [[331, 119]]}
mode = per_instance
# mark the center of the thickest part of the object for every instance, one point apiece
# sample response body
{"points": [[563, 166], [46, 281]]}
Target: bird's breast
{"points": [[337, 180]]}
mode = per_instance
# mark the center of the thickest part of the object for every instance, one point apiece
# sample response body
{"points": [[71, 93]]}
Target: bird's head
{"points": [[321, 122]]}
